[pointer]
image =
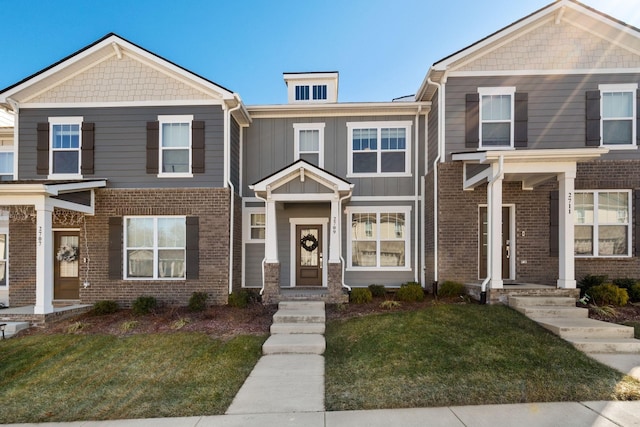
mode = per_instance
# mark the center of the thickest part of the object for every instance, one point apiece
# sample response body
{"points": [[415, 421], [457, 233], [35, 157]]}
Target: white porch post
{"points": [[334, 231], [494, 228], [44, 258], [566, 262], [271, 233]]}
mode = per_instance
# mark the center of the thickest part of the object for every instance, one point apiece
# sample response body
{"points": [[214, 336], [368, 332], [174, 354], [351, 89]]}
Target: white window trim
{"points": [[175, 119], [65, 121], [154, 248], [596, 224], [351, 126], [4, 217], [626, 87], [406, 210], [297, 127], [506, 90], [247, 224], [9, 149]]}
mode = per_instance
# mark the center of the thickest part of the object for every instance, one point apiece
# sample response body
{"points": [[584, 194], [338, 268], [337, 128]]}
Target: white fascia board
{"points": [[339, 109], [159, 103], [56, 189], [293, 172], [580, 71], [537, 155], [63, 204]]}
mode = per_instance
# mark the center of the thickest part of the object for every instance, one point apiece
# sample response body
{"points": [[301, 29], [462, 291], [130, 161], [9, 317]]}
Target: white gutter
{"points": [[16, 127], [483, 287], [341, 231], [227, 181], [417, 197]]}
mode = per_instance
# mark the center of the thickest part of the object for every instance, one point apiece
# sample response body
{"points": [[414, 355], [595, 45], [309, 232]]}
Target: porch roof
{"points": [[40, 192]]}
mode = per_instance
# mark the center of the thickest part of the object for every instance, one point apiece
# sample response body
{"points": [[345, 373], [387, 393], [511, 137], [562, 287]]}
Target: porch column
{"points": [[44, 258], [494, 228], [271, 233], [566, 262], [334, 232]]}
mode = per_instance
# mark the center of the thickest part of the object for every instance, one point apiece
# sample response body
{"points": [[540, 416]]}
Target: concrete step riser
{"points": [[546, 312], [608, 347], [542, 301], [14, 327], [591, 332], [298, 318], [297, 328], [292, 350], [301, 305]]}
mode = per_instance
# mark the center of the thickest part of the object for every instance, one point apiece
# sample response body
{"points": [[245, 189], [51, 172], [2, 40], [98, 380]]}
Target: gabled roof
{"points": [[586, 18], [112, 47], [302, 169]]}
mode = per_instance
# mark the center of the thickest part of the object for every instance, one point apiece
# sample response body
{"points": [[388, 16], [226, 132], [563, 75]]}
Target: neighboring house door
{"points": [[506, 242], [309, 255], [66, 284]]}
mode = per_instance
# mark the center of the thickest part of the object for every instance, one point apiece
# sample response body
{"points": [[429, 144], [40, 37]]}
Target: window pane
{"points": [[171, 263], [365, 139], [175, 161], [314, 159], [617, 131], [617, 104], [612, 240], [258, 233], [3, 246], [392, 161], [140, 233], [392, 226], [496, 107], [393, 139], [584, 208], [613, 208], [364, 254], [309, 140], [365, 162], [496, 134], [6, 163], [175, 135], [364, 226], [392, 254], [171, 233], [258, 220], [139, 263], [583, 240], [66, 136], [66, 162]]}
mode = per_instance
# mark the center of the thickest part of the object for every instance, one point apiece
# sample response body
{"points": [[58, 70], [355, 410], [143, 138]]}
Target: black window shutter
{"points": [[197, 147], [593, 118], [636, 222], [521, 120], [153, 137], [472, 120], [87, 148], [115, 248], [554, 222], [193, 247], [42, 167]]}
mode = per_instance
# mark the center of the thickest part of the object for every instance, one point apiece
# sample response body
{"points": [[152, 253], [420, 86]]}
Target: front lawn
{"points": [[63, 377], [459, 354]]}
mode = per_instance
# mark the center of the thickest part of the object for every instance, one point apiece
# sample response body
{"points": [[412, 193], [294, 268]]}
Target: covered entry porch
{"points": [[303, 229], [502, 230], [41, 202]]}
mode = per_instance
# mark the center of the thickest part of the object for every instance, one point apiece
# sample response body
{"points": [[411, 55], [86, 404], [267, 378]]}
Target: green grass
{"points": [[459, 355], [99, 377]]}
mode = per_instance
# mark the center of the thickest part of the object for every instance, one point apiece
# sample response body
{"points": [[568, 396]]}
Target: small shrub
{"points": [[605, 311], [239, 299], [128, 325], [377, 291], [624, 283], [360, 296], [609, 294], [589, 281], [198, 301], [101, 308], [144, 305], [180, 323], [634, 293], [410, 292], [390, 304], [450, 289], [75, 327]]}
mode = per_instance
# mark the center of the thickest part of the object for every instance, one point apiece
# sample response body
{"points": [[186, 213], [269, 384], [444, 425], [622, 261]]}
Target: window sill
{"points": [[379, 175], [255, 241], [378, 269], [175, 175], [589, 257], [64, 176], [620, 146], [151, 279], [496, 148]]}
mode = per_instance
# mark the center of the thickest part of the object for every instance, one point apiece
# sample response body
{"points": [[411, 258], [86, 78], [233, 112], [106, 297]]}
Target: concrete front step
{"points": [[586, 328], [296, 305], [294, 344], [297, 328], [299, 315], [606, 345], [542, 312], [529, 301], [13, 328]]}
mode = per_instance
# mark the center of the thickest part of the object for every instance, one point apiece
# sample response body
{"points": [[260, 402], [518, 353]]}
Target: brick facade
{"points": [[211, 206]]}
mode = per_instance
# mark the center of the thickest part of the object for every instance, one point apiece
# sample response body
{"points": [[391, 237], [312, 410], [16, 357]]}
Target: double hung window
{"points": [[602, 225], [496, 116], [155, 247], [618, 107], [65, 146], [379, 148], [309, 143], [175, 145]]}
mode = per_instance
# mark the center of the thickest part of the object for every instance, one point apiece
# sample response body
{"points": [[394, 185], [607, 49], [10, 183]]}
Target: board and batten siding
{"points": [[120, 144], [556, 108], [235, 154], [253, 256], [269, 147]]}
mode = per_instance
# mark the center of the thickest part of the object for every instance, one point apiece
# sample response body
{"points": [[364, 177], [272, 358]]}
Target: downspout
{"points": [[265, 255], [435, 180], [344, 285], [16, 128], [227, 181], [483, 286], [416, 191]]}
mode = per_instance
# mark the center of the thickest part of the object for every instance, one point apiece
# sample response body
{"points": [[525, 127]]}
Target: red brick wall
{"points": [[22, 262]]}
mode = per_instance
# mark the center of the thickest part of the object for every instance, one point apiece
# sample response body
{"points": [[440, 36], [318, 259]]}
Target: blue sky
{"points": [[382, 48]]}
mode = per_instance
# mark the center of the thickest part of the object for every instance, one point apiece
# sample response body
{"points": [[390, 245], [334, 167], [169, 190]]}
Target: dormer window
{"points": [[312, 87]]}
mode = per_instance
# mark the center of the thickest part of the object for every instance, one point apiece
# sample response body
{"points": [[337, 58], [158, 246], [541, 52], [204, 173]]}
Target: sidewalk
{"points": [[565, 414]]}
